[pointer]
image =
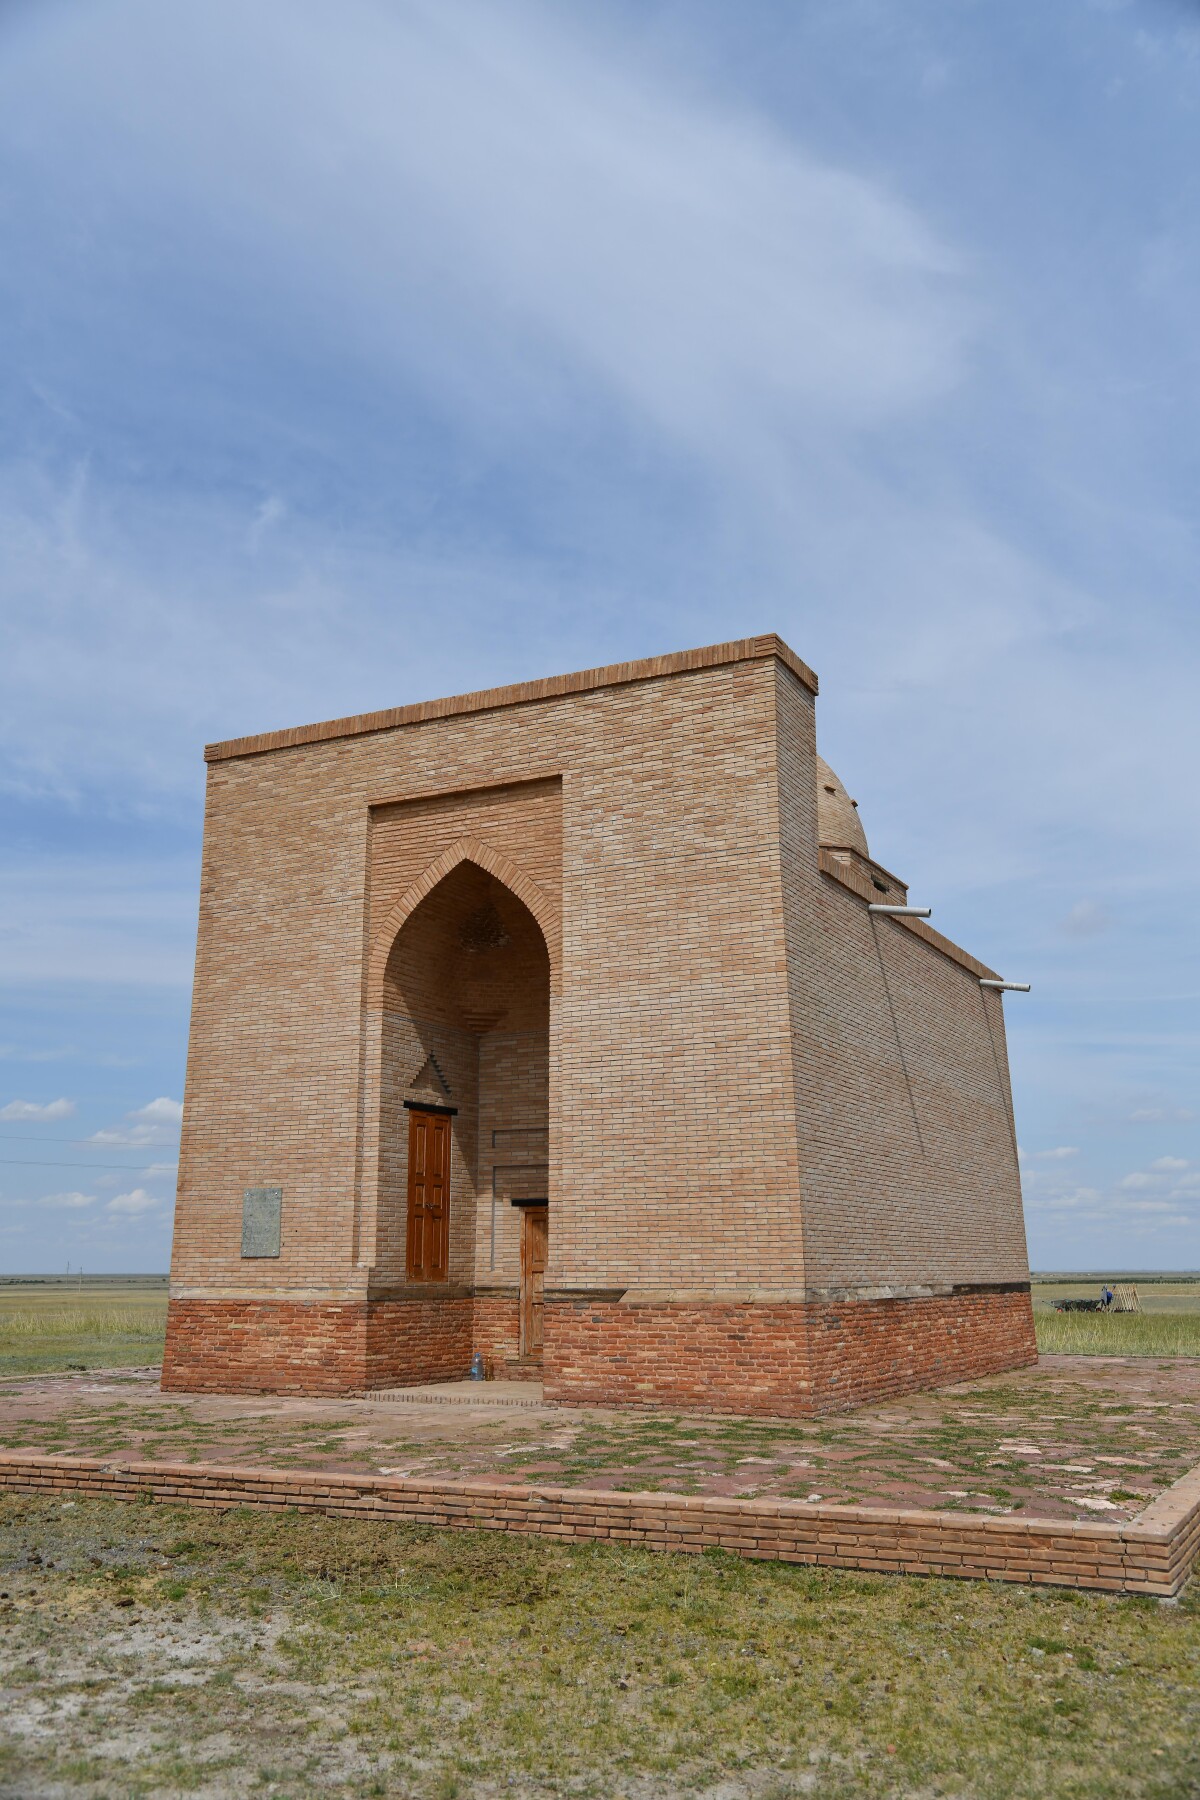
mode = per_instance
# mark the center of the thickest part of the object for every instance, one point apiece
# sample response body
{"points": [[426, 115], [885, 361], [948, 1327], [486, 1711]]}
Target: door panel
{"points": [[535, 1246], [428, 1195]]}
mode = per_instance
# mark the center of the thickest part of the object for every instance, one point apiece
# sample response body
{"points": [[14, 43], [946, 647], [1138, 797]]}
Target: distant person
{"points": [[1106, 1297]]}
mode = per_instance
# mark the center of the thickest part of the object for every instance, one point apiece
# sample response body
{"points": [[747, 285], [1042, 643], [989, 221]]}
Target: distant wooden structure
{"points": [[1125, 1298]]}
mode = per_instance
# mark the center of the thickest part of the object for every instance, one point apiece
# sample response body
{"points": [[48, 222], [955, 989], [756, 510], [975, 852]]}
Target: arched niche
{"points": [[464, 992]]}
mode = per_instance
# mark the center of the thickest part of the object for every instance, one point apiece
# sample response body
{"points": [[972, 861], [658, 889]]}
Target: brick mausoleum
{"points": [[551, 1023]]}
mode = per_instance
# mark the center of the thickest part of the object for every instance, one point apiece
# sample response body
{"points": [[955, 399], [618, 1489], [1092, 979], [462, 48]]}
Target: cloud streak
{"points": [[32, 1112]]}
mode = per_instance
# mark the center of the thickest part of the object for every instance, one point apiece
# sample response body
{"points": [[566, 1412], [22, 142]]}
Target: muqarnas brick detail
{"points": [[609, 935]]}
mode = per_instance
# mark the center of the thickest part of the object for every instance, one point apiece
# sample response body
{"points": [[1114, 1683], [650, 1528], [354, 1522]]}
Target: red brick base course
{"points": [[265, 1346], [1152, 1555], [298, 1347], [780, 1360], [418, 1340], [497, 1332], [878, 1348]]}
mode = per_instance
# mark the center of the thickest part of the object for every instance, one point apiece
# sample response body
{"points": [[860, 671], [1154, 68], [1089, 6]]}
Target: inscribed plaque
{"points": [[261, 1212]]}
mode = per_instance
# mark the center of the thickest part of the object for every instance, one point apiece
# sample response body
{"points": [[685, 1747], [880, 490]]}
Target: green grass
{"points": [[335, 1655], [1167, 1325], [1118, 1334], [45, 1326]]}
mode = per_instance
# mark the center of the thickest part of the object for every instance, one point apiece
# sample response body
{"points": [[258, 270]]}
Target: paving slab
{"points": [[1073, 1438]]}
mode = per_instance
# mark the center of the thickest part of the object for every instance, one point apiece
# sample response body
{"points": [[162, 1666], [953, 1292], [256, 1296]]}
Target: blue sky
{"points": [[360, 352]]}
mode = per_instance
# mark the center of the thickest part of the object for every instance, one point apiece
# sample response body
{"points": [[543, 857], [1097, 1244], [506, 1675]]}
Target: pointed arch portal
{"points": [[463, 973]]}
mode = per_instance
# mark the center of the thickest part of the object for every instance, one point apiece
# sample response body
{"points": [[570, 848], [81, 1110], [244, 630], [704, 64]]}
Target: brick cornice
{"points": [[522, 693]]}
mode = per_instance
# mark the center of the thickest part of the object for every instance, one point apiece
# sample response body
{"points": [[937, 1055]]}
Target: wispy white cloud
{"points": [[133, 1137], [162, 1111], [268, 515], [156, 1123], [33, 1111], [1071, 1199], [136, 1201], [73, 1200], [93, 918]]}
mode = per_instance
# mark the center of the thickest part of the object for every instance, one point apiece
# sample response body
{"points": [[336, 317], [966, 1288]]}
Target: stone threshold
{"points": [[1153, 1554], [465, 1393]]}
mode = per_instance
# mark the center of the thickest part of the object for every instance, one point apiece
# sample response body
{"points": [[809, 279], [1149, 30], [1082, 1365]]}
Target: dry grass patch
{"points": [[65, 1325], [1167, 1325], [1118, 1334]]}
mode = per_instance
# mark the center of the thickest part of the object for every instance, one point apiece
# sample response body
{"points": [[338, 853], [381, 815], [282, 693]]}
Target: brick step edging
{"points": [[1152, 1554]]}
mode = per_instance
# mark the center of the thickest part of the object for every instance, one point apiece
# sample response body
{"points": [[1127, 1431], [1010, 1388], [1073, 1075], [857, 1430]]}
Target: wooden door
{"points": [[535, 1244], [428, 1195]]}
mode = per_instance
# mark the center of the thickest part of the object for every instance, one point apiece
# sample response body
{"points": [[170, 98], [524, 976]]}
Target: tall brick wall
{"points": [[908, 1155], [670, 966]]}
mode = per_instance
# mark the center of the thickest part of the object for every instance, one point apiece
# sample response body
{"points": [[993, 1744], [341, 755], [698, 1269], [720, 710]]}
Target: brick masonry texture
{"points": [[781, 1360], [239, 1346], [1152, 1555], [591, 915]]}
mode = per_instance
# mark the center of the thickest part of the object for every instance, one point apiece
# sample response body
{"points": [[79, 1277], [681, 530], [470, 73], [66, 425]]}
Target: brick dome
{"points": [[838, 824]]}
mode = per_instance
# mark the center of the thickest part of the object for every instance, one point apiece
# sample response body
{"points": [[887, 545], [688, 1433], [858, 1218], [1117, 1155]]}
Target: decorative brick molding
{"points": [[1153, 1554], [782, 1360]]}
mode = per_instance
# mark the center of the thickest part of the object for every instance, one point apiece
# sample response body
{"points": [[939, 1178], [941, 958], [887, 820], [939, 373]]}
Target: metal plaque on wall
{"points": [[261, 1212]]}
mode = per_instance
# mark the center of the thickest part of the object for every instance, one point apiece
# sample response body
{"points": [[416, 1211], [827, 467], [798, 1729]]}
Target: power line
{"points": [[17, 1162], [23, 1137]]}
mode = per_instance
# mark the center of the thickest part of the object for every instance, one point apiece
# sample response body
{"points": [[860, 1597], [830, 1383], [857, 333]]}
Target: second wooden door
{"points": [[535, 1244]]}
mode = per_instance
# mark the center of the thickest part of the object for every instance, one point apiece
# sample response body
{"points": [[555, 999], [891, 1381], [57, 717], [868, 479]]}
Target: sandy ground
{"points": [[1075, 1437]]}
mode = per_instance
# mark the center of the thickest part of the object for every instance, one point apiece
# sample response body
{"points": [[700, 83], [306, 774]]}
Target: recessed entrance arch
{"points": [[465, 1106]]}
